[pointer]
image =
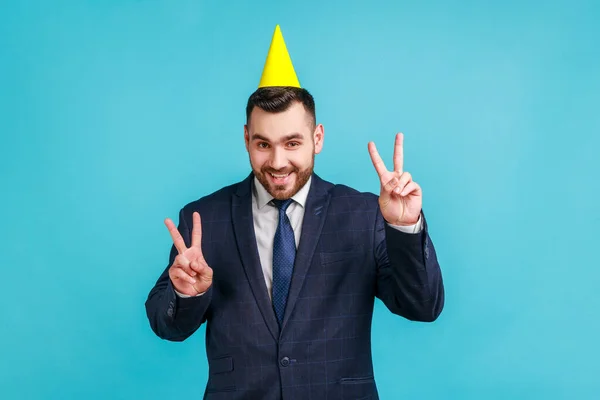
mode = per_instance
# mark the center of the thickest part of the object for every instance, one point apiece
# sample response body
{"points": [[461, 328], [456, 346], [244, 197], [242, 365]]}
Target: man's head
{"points": [[282, 138]]}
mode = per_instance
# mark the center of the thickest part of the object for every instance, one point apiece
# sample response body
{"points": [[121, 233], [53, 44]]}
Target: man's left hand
{"points": [[401, 198]]}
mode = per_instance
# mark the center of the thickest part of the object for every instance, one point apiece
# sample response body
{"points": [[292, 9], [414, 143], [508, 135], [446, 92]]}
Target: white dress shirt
{"points": [[266, 216]]}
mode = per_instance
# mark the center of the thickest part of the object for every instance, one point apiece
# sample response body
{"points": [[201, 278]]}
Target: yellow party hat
{"points": [[278, 70]]}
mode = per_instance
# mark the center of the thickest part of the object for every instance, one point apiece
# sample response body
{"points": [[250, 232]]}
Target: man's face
{"points": [[282, 147]]}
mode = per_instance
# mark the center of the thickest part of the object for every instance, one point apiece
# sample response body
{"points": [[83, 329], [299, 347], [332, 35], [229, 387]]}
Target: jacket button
{"points": [[285, 361]]}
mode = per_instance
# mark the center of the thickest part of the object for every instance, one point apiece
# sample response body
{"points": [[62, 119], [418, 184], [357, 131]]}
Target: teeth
{"points": [[279, 176]]}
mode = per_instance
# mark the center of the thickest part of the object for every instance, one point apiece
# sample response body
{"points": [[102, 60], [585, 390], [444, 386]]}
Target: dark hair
{"points": [[279, 98]]}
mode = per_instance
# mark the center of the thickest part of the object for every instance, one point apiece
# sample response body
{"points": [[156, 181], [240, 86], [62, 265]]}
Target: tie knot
{"points": [[282, 204]]}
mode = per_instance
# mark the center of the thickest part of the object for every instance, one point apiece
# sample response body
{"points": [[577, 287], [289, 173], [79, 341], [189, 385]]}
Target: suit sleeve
{"points": [[409, 279], [172, 317]]}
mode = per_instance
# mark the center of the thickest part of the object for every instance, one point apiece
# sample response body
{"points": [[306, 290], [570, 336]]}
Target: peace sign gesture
{"points": [[401, 198], [190, 274]]}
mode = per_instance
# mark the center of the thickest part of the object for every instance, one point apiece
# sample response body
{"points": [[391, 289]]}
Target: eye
{"points": [[263, 145], [293, 144]]}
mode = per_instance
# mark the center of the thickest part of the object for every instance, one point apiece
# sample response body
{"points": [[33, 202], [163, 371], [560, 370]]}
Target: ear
{"points": [[318, 137], [246, 137]]}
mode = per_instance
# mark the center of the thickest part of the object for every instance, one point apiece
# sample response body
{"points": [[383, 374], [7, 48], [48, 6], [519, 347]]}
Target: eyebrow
{"points": [[294, 135]]}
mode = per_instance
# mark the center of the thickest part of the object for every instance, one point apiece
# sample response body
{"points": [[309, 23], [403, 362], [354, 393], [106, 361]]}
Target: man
{"points": [[284, 267]]}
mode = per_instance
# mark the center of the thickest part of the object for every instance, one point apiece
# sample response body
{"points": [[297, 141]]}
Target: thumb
{"points": [[202, 269]]}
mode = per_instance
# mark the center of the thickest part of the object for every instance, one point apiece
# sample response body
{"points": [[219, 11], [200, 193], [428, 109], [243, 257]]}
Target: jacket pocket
{"points": [[357, 381], [220, 375], [341, 256], [220, 365]]}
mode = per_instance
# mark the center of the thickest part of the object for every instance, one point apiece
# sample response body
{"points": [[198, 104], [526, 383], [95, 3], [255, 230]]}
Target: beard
{"points": [[280, 192]]}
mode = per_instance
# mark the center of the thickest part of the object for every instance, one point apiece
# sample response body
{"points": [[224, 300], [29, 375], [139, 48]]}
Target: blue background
{"points": [[115, 114]]}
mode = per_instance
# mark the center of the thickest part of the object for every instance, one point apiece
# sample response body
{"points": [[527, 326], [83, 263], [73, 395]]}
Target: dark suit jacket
{"points": [[347, 256]]}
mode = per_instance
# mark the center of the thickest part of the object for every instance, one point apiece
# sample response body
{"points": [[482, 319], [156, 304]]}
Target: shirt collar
{"points": [[263, 197]]}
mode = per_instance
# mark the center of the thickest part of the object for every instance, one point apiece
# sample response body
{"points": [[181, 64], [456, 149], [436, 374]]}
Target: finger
{"points": [[404, 180], [412, 188], [376, 159], [185, 264], [399, 153], [196, 289], [196, 266], [205, 274], [391, 182], [179, 274], [197, 231], [181, 260], [176, 236], [202, 270]]}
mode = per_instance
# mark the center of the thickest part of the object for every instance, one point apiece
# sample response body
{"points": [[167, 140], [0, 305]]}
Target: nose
{"points": [[278, 160]]}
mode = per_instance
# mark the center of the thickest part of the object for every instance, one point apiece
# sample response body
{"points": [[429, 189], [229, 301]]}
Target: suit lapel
{"points": [[314, 217], [243, 226]]}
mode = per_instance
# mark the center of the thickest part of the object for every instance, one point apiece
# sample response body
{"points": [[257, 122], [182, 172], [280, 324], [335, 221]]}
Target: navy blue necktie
{"points": [[284, 253]]}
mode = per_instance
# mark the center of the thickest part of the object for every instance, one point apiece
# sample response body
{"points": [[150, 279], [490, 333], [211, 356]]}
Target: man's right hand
{"points": [[190, 274]]}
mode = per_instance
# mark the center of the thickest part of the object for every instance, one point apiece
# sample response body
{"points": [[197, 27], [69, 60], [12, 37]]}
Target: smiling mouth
{"points": [[280, 179]]}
